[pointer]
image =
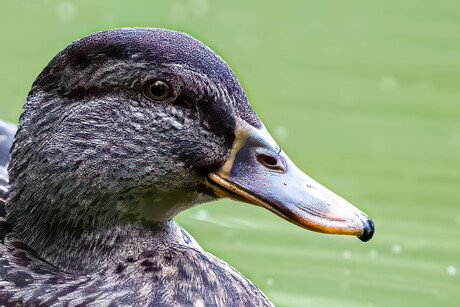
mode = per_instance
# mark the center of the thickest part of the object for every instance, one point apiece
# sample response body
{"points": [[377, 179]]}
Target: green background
{"points": [[363, 95]]}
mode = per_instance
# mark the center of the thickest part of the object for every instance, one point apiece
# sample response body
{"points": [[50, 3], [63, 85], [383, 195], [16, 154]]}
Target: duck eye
{"points": [[157, 90]]}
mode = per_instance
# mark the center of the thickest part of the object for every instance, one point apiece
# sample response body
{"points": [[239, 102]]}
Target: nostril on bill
{"points": [[267, 160]]}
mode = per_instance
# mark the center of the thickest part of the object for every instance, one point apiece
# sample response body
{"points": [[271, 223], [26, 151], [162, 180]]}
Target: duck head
{"points": [[132, 126]]}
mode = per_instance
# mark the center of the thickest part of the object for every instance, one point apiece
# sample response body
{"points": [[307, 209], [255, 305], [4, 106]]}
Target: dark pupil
{"points": [[158, 89]]}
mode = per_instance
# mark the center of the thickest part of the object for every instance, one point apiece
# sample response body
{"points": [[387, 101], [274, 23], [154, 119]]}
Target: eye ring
{"points": [[157, 90]]}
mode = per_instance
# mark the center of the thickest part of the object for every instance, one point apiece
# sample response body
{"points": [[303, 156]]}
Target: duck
{"points": [[121, 131]]}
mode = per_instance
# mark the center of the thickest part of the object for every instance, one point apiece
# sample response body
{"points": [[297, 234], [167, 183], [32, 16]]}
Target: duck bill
{"points": [[258, 172]]}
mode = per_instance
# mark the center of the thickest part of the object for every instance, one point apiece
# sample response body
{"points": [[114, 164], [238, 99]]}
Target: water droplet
{"points": [[281, 133], [388, 83], [396, 249], [270, 282], [66, 11], [457, 219], [373, 254], [202, 215], [346, 254], [455, 139], [451, 270]]}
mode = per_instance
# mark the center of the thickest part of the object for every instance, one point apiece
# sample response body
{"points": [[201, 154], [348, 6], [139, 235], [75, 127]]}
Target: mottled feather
{"points": [[98, 171]]}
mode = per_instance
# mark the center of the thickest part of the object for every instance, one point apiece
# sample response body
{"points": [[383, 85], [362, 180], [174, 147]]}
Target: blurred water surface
{"points": [[364, 96]]}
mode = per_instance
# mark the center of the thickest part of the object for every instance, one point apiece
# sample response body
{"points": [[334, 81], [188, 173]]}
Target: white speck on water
{"points": [[435, 291], [388, 83], [281, 133], [396, 249], [242, 222], [455, 140], [457, 220], [451, 270], [202, 215], [347, 272], [346, 254], [228, 222], [373, 254], [66, 11], [199, 7], [270, 282]]}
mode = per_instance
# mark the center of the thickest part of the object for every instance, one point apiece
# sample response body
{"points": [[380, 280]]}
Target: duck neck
{"points": [[99, 230], [91, 251]]}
